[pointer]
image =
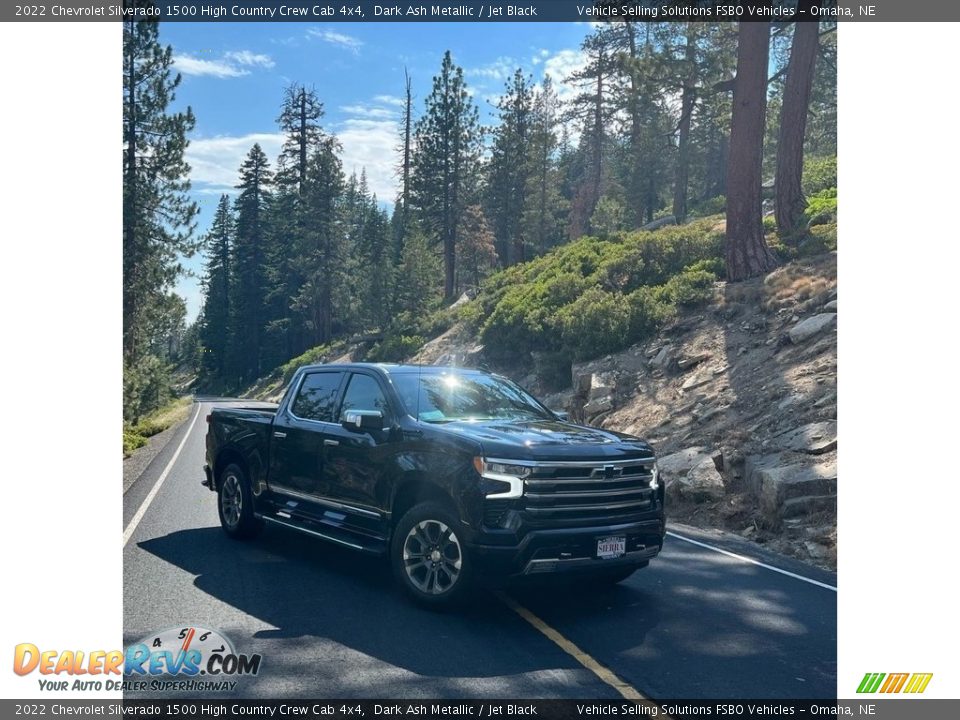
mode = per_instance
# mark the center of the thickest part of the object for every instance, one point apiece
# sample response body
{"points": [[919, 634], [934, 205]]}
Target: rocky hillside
{"points": [[738, 397]]}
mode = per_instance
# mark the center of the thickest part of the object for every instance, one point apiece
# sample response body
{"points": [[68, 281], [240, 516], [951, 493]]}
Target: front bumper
{"points": [[568, 550]]}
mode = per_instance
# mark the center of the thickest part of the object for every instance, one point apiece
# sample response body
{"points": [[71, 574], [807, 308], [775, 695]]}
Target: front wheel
{"points": [[428, 557], [235, 504]]}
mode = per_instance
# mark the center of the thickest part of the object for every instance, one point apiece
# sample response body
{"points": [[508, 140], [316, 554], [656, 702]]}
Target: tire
{"points": [[428, 557], [235, 504], [613, 576]]}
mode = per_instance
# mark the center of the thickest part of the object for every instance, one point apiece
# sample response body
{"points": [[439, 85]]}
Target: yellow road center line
{"points": [[585, 659]]}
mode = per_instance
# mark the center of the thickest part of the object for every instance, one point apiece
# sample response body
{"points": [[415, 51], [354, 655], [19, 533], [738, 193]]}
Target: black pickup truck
{"points": [[457, 475]]}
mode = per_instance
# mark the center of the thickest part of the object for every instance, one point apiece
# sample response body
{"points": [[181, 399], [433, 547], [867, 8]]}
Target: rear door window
{"points": [[317, 397]]}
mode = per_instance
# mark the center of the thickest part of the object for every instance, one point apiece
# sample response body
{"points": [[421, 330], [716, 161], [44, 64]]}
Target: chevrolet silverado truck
{"points": [[456, 475]]}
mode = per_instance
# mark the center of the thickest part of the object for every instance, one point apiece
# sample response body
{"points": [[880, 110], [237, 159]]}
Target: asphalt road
{"points": [[329, 623]]}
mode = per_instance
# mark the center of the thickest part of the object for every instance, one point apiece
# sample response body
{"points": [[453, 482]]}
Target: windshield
{"points": [[449, 397]]}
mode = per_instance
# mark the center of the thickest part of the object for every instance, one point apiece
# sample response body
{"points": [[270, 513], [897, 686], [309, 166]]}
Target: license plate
{"points": [[611, 547]]}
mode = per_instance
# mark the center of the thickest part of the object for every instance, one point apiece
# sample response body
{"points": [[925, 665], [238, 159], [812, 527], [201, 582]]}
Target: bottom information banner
{"points": [[886, 709]]}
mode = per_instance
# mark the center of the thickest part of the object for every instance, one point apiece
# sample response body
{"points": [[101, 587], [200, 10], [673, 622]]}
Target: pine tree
{"points": [[158, 216], [214, 328], [747, 252], [509, 168], [299, 121], [476, 248], [250, 282], [592, 108], [445, 162], [545, 211], [790, 202], [322, 251]]}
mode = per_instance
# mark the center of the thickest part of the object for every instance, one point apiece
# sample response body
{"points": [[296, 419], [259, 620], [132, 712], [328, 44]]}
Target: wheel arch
{"points": [[228, 456]]}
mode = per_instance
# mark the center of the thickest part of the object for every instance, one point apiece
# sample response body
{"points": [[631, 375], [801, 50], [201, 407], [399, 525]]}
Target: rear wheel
{"points": [[235, 504], [428, 557]]}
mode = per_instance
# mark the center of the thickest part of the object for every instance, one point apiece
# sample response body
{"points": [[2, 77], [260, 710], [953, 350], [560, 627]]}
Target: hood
{"points": [[547, 439]]}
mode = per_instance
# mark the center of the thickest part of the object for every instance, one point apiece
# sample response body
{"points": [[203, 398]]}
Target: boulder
{"points": [[830, 306], [807, 505], [702, 482], [662, 359], [776, 485], [597, 406], [473, 356], [678, 464], [696, 380], [814, 439], [806, 329], [691, 360], [559, 401], [601, 386]]}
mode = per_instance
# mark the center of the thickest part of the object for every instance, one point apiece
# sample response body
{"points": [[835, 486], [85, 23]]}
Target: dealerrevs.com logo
{"points": [[910, 683], [184, 658]]}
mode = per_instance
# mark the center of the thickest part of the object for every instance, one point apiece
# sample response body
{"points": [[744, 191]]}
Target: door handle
{"points": [[331, 443], [278, 434]]}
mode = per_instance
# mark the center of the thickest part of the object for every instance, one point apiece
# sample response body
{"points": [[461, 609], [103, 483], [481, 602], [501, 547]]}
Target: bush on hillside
{"points": [[594, 324], [821, 207], [595, 296], [819, 173], [395, 348]]}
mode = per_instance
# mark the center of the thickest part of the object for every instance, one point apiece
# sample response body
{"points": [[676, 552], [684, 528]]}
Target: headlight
{"points": [[506, 477], [655, 480]]}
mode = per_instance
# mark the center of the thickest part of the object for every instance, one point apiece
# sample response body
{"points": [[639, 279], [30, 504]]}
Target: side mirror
{"points": [[362, 420], [561, 414]]}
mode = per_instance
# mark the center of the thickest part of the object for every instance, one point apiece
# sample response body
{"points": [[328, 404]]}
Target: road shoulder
{"points": [[141, 458]]}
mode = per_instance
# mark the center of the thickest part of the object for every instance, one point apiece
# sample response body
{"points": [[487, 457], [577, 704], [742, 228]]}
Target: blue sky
{"points": [[234, 75]]}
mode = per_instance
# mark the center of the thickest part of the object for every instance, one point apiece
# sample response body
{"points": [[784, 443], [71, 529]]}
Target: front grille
{"points": [[582, 493]]}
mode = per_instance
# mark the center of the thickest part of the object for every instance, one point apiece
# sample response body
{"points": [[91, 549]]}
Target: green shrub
{"points": [[597, 322], [819, 239], [689, 288], [716, 266], [582, 298], [607, 217], [146, 386], [396, 348], [712, 206], [648, 312], [471, 315], [317, 354], [819, 173], [132, 441], [821, 207]]}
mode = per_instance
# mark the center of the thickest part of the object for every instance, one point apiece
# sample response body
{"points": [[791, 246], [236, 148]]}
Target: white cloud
{"points": [[229, 65], [336, 38], [215, 162], [369, 111], [500, 69], [389, 100], [371, 144], [560, 66], [189, 65], [245, 57]]}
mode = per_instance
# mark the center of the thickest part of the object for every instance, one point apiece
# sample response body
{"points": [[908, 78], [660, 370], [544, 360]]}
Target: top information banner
{"points": [[483, 11]]}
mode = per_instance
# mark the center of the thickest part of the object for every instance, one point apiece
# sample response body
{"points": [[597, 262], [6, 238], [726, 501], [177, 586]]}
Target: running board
{"points": [[293, 525]]}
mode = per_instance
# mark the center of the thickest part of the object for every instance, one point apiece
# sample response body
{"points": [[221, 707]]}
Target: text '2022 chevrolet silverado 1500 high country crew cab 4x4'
{"points": [[457, 475]]}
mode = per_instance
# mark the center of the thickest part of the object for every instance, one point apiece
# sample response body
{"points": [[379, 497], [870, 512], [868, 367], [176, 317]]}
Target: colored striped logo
{"points": [[894, 682]]}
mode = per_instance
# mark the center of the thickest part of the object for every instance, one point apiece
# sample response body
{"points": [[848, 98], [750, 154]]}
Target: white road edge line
{"points": [[746, 559], [141, 511]]}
